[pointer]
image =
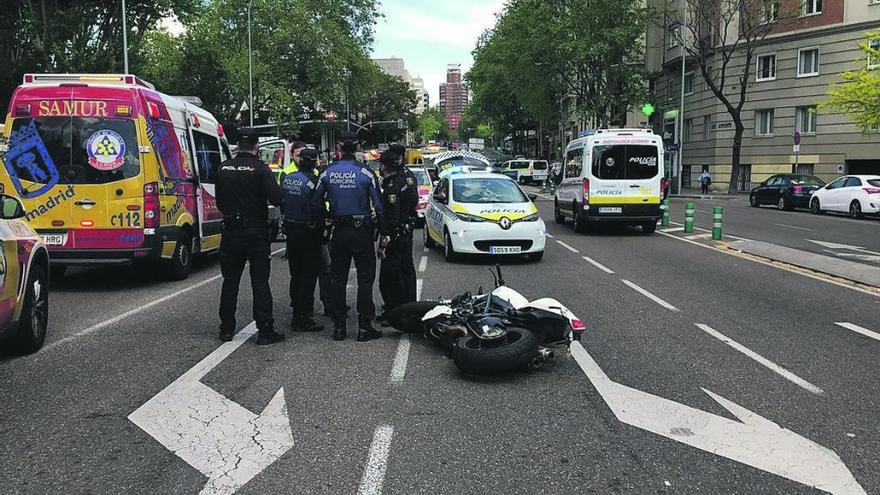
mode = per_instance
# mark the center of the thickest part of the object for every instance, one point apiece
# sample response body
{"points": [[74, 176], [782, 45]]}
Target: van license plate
{"points": [[505, 249], [54, 239], [611, 209]]}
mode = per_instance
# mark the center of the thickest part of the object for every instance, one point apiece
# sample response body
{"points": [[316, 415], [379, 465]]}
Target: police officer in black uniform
{"points": [[245, 186], [304, 225], [351, 190], [395, 243], [409, 213]]}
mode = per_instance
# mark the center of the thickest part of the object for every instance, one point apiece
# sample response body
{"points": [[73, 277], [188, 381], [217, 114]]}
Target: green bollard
{"points": [[718, 212], [689, 218], [664, 220]]}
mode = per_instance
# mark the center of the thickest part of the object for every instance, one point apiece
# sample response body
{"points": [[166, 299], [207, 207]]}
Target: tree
{"points": [[859, 95], [720, 38], [431, 125]]}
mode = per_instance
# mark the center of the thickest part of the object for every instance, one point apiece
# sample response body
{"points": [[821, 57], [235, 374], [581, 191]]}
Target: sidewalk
{"points": [[695, 194]]}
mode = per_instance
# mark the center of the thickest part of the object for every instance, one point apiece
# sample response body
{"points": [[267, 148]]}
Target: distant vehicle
{"points": [[24, 280], [424, 184], [462, 158], [786, 191], [527, 171], [111, 171], [483, 213], [415, 157], [854, 194], [276, 153], [614, 176]]}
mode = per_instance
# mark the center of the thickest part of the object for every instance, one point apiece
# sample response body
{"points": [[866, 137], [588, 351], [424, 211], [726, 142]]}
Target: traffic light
{"points": [[648, 109]]}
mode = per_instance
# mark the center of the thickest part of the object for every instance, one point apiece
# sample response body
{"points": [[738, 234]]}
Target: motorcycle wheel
{"points": [[474, 357], [408, 317]]}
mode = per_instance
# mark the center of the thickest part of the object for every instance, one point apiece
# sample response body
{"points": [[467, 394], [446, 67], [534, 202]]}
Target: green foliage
{"points": [[859, 95], [431, 125]]}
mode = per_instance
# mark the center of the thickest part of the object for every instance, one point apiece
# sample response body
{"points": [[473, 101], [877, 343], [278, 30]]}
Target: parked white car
{"points": [[854, 194]]}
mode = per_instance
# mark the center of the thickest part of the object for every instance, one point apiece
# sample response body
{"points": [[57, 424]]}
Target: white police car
{"points": [[473, 212]]}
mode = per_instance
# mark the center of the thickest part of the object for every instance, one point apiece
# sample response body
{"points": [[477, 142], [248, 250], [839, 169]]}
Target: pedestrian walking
{"points": [[304, 224], [244, 187], [705, 181], [395, 246], [409, 217], [351, 189]]}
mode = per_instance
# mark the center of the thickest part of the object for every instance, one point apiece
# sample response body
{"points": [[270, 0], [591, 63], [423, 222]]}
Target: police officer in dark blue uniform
{"points": [[245, 186], [395, 245], [351, 190], [304, 225], [409, 217]]}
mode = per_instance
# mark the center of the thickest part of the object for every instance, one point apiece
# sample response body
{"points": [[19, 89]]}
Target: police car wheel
{"points": [[535, 257], [448, 250], [181, 262], [428, 240], [35, 313]]}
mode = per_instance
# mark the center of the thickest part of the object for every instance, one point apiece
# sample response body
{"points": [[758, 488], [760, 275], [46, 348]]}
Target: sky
{"points": [[430, 34]]}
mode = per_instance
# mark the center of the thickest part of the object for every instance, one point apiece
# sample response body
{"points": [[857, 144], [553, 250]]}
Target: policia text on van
{"points": [[112, 171]]}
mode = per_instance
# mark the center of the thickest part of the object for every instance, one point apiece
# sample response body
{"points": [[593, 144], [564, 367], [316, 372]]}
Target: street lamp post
{"points": [[250, 65], [124, 38]]}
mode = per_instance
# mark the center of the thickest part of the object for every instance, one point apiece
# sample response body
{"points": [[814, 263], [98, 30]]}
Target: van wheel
{"points": [[581, 224], [181, 263], [34, 314], [557, 214], [649, 227]]}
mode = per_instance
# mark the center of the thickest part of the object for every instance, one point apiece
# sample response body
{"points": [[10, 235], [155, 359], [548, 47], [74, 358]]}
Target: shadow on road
{"points": [[117, 278]]}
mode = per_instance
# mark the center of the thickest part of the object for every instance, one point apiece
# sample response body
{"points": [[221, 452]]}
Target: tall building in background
{"points": [[453, 97], [397, 68]]}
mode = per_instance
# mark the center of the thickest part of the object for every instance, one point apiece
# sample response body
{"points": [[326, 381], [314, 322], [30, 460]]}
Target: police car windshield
{"points": [[486, 190], [83, 150]]}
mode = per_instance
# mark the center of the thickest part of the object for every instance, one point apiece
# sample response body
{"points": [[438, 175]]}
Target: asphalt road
{"points": [[364, 420]]}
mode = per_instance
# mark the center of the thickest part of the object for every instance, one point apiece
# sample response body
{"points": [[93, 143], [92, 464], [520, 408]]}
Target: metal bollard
{"points": [[689, 218], [664, 220], [718, 212]]}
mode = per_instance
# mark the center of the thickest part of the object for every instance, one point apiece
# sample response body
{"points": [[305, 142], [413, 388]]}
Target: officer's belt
{"points": [[239, 222], [356, 220], [307, 223]]}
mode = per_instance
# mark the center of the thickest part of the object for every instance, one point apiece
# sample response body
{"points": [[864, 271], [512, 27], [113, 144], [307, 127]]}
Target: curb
{"points": [[707, 198]]}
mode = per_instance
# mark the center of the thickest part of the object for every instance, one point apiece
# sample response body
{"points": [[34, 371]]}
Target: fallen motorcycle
{"points": [[495, 332]]}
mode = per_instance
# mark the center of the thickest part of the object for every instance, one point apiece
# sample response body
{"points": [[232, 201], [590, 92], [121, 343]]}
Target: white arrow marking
{"points": [[754, 440], [834, 245], [223, 440]]}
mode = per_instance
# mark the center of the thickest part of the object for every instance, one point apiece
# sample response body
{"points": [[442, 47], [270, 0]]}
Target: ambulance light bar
{"points": [[122, 79]]}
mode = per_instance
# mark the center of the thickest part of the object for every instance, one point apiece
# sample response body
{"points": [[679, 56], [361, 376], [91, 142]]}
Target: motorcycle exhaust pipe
{"points": [[545, 354], [535, 363]]}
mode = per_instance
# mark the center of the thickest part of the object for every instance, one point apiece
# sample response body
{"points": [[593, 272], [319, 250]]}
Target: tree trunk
{"points": [[739, 130]]}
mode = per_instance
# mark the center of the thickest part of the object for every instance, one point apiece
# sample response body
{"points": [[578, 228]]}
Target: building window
{"points": [[808, 62], [811, 7], [707, 126], [766, 67], [770, 11], [806, 120], [874, 44], [688, 130], [764, 122], [669, 93], [689, 83], [672, 34]]}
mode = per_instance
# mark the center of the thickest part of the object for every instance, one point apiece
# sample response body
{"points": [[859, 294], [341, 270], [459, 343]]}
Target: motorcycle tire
{"points": [[408, 317], [473, 357]]}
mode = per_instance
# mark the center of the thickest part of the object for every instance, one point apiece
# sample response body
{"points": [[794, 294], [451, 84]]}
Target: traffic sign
{"points": [[672, 147], [796, 149]]}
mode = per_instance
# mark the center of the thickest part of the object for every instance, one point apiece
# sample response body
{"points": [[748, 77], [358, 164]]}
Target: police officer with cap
{"points": [[410, 216], [304, 225], [395, 244], [245, 186], [351, 190]]}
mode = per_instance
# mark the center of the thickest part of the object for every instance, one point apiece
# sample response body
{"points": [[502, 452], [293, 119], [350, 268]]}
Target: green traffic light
{"points": [[648, 109]]}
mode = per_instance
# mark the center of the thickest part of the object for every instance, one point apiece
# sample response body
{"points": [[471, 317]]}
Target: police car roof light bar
{"points": [[121, 79]]}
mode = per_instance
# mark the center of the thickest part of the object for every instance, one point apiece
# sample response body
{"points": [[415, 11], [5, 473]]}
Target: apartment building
{"points": [[453, 96], [396, 67], [794, 68]]}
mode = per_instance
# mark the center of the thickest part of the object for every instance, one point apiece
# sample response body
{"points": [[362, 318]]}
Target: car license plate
{"points": [[505, 249], [611, 209], [54, 239]]}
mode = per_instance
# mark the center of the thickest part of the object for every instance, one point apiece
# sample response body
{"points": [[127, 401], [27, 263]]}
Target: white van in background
{"points": [[614, 175]]}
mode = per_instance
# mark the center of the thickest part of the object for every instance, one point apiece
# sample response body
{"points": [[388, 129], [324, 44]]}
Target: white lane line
{"points": [[426, 250], [374, 474], [419, 284], [673, 229], [566, 246], [398, 369], [858, 329], [698, 236], [650, 296], [793, 227], [423, 263], [779, 370], [598, 265], [550, 235]]}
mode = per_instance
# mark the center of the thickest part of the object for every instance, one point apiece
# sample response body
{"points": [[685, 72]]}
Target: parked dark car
{"points": [[786, 191]]}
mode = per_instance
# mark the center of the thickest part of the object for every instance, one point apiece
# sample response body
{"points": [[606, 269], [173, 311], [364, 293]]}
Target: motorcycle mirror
{"points": [[500, 281], [494, 277]]}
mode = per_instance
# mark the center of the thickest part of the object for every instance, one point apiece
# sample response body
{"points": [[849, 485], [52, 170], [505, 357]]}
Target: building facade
{"points": [[453, 97], [795, 67], [396, 67]]}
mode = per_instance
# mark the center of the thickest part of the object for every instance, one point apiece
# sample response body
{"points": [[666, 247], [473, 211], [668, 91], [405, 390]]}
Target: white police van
{"points": [[613, 175]]}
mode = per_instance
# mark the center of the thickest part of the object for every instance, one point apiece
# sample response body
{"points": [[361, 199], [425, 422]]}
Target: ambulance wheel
{"points": [[181, 263]]}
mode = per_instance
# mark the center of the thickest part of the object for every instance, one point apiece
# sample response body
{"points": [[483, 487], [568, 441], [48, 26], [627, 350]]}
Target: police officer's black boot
{"points": [[339, 331], [267, 334], [366, 332], [305, 324], [226, 335]]}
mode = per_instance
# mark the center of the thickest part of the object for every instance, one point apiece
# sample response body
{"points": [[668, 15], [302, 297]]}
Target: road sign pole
{"points": [[689, 210]]}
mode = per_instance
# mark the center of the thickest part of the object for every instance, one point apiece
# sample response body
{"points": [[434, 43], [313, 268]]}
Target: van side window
{"points": [[207, 155], [225, 154], [574, 163]]}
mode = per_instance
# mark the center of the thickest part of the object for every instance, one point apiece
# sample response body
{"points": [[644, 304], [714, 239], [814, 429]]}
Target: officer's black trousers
{"points": [[324, 279], [237, 247], [408, 270], [350, 242], [393, 276], [304, 260]]}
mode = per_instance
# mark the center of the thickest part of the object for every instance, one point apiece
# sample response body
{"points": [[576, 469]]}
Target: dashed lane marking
{"points": [[377, 462], [650, 296], [858, 329], [793, 227], [398, 369], [566, 246], [598, 265], [423, 263], [779, 370], [419, 284]]}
